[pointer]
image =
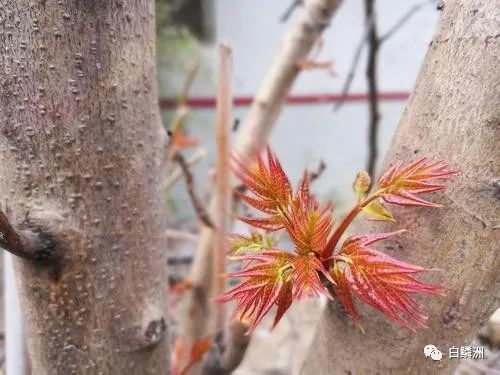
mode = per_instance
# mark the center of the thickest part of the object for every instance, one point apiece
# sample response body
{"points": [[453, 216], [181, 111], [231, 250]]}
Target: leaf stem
{"points": [[334, 239]]}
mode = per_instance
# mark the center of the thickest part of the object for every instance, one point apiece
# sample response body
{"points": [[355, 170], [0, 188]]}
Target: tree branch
{"points": [[25, 244], [346, 87], [405, 18], [318, 172], [177, 173], [198, 206], [291, 8], [374, 44], [222, 186], [357, 54], [181, 112], [371, 76]]}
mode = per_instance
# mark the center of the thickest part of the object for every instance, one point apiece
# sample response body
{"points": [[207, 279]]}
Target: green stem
{"points": [[333, 241]]}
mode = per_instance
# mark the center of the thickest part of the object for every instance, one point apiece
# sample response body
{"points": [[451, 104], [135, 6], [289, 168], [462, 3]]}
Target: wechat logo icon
{"points": [[433, 352]]}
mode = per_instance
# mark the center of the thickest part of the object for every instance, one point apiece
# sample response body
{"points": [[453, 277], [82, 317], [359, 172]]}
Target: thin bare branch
{"points": [[176, 174], [186, 88], [326, 65], [223, 188], [289, 11], [346, 87], [364, 37], [318, 172], [198, 205], [313, 63], [371, 76], [181, 112], [405, 18]]}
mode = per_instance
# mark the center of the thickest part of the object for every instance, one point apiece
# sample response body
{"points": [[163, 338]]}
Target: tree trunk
{"points": [[454, 115], [81, 150]]}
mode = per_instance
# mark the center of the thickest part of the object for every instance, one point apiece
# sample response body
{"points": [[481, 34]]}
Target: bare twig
{"points": [[405, 18], [364, 37], [291, 8], [313, 63], [346, 87], [236, 124], [182, 110], [223, 189], [198, 206], [326, 65], [371, 76], [374, 44], [188, 83], [318, 172], [227, 350], [176, 174]]}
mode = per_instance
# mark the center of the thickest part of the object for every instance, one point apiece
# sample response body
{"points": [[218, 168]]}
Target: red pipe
{"points": [[241, 101]]}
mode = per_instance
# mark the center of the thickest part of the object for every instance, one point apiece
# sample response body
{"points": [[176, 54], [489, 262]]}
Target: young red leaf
{"points": [[270, 224], [272, 191], [283, 302], [307, 224], [267, 282], [381, 281], [305, 276], [274, 278], [267, 181], [343, 293], [401, 185]]}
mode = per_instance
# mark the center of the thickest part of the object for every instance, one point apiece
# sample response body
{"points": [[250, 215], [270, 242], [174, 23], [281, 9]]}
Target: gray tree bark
{"points": [[454, 115], [81, 150]]}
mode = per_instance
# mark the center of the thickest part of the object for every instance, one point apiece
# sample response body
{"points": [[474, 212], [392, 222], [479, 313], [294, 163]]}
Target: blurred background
{"points": [[311, 130], [322, 122], [323, 125]]}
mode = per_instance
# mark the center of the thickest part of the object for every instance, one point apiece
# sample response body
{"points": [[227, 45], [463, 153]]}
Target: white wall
{"points": [[307, 133], [252, 27]]}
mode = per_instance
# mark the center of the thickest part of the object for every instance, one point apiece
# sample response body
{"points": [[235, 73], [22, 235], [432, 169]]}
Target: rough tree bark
{"points": [[81, 150], [454, 115]]}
